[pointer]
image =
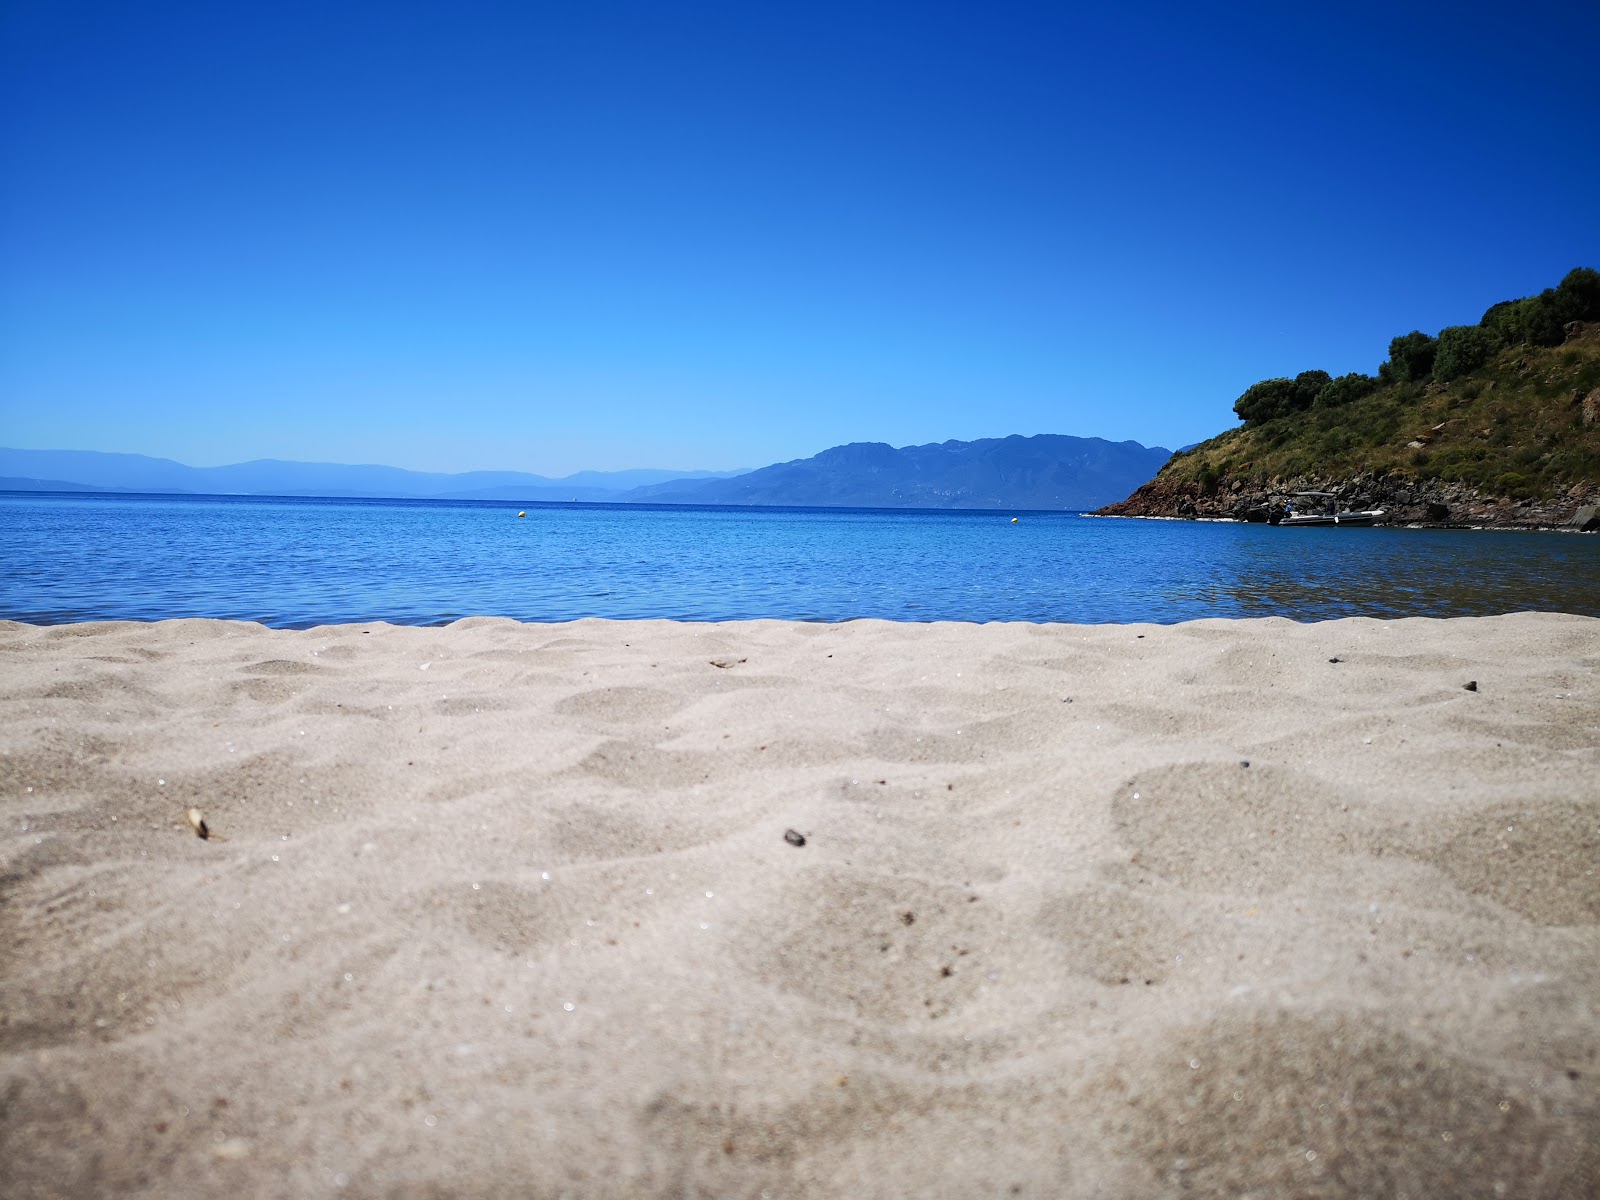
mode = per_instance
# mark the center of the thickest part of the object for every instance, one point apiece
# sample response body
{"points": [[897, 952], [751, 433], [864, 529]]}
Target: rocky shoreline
{"points": [[1426, 504]]}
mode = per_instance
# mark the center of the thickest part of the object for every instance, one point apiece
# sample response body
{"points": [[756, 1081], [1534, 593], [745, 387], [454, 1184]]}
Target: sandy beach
{"points": [[778, 909]]}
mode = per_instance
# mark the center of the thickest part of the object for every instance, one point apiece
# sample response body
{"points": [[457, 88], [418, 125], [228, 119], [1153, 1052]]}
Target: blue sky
{"points": [[550, 237]]}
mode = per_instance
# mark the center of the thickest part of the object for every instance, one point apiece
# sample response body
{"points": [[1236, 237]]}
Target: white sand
{"points": [[508, 909]]}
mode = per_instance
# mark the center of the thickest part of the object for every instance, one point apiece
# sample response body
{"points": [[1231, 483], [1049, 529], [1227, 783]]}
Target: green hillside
{"points": [[1503, 412]]}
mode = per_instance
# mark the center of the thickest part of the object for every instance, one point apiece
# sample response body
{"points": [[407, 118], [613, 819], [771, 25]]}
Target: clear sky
{"points": [[553, 236]]}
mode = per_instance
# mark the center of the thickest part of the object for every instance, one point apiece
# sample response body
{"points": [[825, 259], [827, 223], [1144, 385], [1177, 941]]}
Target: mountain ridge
{"points": [[93, 470], [1045, 471]]}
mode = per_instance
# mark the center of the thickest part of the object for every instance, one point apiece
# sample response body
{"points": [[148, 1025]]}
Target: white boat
{"points": [[1370, 516]]}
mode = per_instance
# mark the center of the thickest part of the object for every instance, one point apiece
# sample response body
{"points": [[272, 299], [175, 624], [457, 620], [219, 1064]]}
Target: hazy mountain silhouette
{"points": [[1050, 471], [58, 470]]}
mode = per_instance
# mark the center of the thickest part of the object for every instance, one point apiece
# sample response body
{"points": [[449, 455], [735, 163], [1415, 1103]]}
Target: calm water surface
{"points": [[302, 562]]}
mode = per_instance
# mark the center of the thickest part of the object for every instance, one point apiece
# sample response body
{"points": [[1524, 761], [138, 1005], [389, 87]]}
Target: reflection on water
{"points": [[305, 562], [1415, 572]]}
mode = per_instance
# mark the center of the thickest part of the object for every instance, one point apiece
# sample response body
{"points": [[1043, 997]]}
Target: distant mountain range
{"points": [[1049, 471], [87, 470]]}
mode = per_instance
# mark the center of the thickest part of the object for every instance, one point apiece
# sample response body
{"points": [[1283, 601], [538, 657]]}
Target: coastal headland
{"points": [[1493, 425], [861, 909]]}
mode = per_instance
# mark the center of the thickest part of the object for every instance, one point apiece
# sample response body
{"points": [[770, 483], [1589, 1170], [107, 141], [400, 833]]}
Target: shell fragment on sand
{"points": [[197, 822]]}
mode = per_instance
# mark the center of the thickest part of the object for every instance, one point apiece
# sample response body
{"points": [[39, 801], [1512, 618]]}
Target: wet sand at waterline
{"points": [[801, 910]]}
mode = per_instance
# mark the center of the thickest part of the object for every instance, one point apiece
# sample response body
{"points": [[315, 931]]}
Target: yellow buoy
{"points": [[1013, 520], [522, 514]]}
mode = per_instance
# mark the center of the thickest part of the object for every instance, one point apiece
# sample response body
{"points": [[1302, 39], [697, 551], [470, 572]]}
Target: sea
{"points": [[299, 562]]}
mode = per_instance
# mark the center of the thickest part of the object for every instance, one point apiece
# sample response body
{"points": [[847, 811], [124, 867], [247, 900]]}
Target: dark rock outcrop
{"points": [[1406, 501]]}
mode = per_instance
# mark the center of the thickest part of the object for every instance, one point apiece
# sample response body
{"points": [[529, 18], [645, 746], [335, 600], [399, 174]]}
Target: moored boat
{"points": [[1370, 516], [1329, 516]]}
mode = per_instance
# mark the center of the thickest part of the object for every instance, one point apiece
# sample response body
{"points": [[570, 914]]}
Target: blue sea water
{"points": [[302, 562]]}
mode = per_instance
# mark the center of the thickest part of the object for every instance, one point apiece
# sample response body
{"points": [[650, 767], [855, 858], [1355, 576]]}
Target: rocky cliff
{"points": [[1429, 503]]}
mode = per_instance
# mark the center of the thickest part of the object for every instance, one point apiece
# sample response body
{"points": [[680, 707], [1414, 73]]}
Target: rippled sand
{"points": [[1081, 911]]}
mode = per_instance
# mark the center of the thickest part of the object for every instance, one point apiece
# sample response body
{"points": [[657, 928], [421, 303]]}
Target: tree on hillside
{"points": [[1541, 320], [1346, 389], [1307, 386], [1417, 358], [1273, 398], [1462, 350], [1263, 401], [1531, 321], [1410, 358], [1578, 295]]}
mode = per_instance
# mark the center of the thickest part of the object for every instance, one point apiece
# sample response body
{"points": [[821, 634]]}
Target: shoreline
{"points": [[1230, 905], [1137, 506], [1412, 504], [1223, 520]]}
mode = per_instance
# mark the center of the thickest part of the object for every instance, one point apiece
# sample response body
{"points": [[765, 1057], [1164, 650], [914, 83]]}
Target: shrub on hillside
{"points": [[1279, 397], [1531, 321], [1462, 349], [1513, 484], [1578, 295], [1541, 320], [1410, 358], [1346, 389]]}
